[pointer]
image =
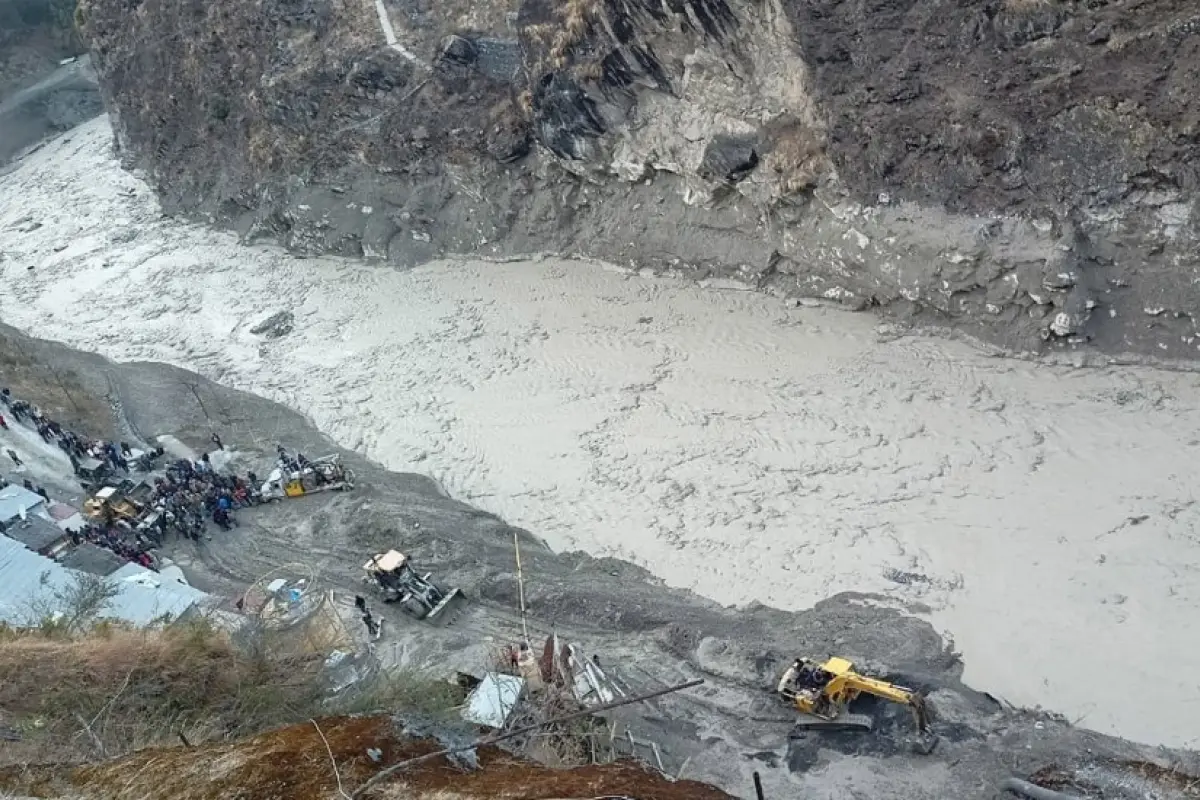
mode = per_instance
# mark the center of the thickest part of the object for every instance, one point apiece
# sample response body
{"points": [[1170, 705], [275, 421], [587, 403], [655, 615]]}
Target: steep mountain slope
{"points": [[1023, 168]]}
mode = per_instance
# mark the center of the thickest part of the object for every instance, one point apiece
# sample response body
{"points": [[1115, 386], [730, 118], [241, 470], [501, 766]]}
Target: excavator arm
{"points": [[842, 689]]}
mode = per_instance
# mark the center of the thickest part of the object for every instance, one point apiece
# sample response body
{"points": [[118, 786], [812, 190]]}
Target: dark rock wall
{"points": [[1020, 168], [1007, 104]]}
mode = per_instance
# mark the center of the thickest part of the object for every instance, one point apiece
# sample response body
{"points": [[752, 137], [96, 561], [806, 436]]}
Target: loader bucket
{"points": [[445, 612]]}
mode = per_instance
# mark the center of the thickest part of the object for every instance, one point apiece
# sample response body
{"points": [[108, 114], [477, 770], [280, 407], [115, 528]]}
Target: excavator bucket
{"points": [[447, 611]]}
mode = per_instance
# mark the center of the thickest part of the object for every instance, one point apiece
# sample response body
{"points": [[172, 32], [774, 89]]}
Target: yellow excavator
{"points": [[822, 693]]}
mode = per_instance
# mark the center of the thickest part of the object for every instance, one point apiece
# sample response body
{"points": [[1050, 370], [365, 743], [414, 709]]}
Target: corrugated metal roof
{"points": [[146, 596], [491, 702], [89, 558], [35, 533], [30, 586], [28, 583], [61, 511], [14, 499]]}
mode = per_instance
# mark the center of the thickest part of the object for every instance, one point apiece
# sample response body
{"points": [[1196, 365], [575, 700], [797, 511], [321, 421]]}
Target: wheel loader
{"points": [[392, 574], [822, 693], [126, 501]]}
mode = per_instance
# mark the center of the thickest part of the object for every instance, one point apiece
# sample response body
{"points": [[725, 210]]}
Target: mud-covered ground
{"points": [[649, 635], [62, 99]]}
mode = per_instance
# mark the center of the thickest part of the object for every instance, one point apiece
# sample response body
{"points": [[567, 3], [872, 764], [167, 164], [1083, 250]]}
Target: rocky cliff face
{"points": [[1021, 168]]}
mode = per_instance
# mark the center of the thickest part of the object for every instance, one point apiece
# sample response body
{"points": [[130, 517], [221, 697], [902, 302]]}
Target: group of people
{"points": [[120, 538], [77, 447], [183, 500], [192, 492]]}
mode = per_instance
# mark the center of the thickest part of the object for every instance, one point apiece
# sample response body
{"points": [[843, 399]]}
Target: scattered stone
{"points": [[275, 326], [729, 158], [1060, 280], [1100, 34], [459, 50]]}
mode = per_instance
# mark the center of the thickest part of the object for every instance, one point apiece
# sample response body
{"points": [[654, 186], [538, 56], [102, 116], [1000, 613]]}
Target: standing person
{"points": [[217, 441], [373, 627], [126, 450], [3, 422]]}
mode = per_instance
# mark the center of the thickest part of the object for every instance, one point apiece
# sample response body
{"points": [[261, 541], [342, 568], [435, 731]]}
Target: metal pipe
{"points": [[521, 587], [1034, 792]]}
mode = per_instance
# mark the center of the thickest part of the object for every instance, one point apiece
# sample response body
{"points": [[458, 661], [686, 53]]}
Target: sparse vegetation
{"points": [[77, 691], [405, 691], [76, 608], [113, 690]]}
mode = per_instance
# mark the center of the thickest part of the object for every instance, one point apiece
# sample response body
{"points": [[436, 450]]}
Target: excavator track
{"points": [[845, 722]]}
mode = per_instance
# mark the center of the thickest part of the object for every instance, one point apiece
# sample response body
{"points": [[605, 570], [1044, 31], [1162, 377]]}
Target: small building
{"points": [[41, 536], [33, 588], [17, 501]]}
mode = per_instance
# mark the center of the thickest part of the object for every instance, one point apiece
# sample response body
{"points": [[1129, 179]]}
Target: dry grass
{"points": [[576, 18], [298, 763], [114, 690], [796, 157]]}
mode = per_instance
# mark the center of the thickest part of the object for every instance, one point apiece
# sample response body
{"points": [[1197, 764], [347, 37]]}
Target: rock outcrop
{"points": [[1023, 169]]}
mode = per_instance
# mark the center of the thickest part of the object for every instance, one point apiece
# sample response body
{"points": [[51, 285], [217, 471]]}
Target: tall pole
{"points": [[520, 586]]}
